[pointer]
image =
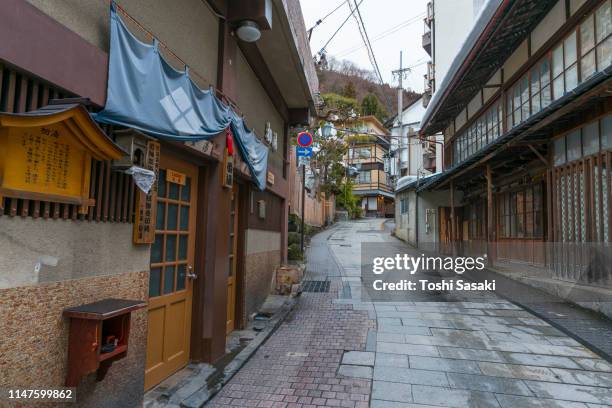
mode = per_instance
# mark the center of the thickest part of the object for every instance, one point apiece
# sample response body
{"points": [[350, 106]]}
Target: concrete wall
{"points": [[452, 22], [258, 109], [38, 250], [263, 256], [404, 223], [195, 39], [427, 219]]}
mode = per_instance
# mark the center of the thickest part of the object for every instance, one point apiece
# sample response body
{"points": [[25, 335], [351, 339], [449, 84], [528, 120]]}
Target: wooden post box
{"points": [[99, 335]]}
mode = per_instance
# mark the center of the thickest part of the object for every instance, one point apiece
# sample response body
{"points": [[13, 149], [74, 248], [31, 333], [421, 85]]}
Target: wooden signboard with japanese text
{"points": [[48, 157], [146, 204], [228, 170]]}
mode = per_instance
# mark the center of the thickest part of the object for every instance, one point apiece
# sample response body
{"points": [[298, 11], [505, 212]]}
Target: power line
{"points": [[366, 39], [319, 21], [338, 29], [382, 35]]}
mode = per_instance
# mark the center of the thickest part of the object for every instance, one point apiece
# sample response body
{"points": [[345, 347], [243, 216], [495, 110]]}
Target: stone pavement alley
{"points": [[447, 351]]}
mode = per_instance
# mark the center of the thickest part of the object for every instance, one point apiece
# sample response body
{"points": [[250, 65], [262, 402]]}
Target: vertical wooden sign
{"points": [[146, 204]]}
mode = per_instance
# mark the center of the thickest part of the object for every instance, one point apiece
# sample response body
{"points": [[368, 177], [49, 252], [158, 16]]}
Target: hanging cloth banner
{"points": [[146, 93]]}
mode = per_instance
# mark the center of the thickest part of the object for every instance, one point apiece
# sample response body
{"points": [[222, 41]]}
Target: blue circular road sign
{"points": [[304, 139]]}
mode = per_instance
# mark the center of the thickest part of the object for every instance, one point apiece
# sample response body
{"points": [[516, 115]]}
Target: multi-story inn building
{"points": [[368, 152], [78, 240], [525, 109]]}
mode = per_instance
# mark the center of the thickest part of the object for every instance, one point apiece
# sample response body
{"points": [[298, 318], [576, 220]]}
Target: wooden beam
{"points": [[491, 248], [452, 210], [533, 149]]}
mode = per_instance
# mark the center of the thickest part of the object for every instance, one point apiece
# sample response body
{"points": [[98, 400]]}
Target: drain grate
{"points": [[315, 286]]}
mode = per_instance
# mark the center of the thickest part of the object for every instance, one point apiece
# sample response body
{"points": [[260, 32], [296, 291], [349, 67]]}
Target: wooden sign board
{"points": [[228, 171], [48, 157], [146, 204], [176, 177], [270, 177]]}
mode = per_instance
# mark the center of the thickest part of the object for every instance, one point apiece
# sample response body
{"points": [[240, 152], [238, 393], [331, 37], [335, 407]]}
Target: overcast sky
{"points": [[392, 25]]}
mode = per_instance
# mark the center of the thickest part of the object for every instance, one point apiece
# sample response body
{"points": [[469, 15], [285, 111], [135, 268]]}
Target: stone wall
{"points": [[34, 338]]}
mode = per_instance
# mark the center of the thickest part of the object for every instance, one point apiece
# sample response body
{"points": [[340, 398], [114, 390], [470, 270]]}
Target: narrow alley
{"points": [[478, 351]]}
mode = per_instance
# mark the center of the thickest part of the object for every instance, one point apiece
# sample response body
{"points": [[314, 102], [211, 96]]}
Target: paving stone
{"points": [[563, 341], [410, 376], [371, 340], [560, 350], [355, 371], [391, 391], [424, 330], [453, 398], [391, 321], [408, 349], [517, 371], [363, 358], [540, 360], [393, 404], [570, 392], [391, 360], [428, 323], [540, 330], [515, 401], [390, 337], [444, 364], [486, 383], [471, 354], [594, 364], [596, 379]]}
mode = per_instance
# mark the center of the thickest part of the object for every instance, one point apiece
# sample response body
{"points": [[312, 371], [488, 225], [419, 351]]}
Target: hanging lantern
{"points": [[229, 142]]}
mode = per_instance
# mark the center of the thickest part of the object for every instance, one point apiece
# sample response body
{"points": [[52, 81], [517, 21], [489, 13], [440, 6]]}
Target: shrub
{"points": [[294, 253]]}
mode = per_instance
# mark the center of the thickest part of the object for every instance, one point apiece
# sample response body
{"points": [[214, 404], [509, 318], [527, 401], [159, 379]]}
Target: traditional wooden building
{"points": [[199, 250], [525, 109]]}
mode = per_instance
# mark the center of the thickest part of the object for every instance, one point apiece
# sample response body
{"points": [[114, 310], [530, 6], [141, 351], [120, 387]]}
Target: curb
{"points": [[198, 401]]}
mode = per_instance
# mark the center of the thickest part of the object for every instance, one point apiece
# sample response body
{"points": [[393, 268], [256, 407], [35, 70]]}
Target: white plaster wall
{"points": [[548, 26], [474, 105], [453, 20], [516, 60], [65, 250]]}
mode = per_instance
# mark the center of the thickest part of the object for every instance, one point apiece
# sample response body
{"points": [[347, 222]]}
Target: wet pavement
{"points": [[444, 349]]}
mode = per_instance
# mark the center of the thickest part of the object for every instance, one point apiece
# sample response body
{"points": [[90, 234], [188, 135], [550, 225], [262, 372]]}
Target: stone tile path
{"points": [[475, 351]]}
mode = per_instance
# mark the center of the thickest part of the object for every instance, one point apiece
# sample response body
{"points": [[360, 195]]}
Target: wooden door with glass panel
{"points": [[170, 282], [233, 252]]}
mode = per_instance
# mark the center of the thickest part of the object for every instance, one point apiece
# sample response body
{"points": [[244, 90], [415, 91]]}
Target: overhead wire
{"points": [[319, 21], [337, 30], [371, 56], [382, 35]]}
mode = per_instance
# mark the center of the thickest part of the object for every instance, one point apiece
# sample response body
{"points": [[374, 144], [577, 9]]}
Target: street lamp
{"points": [[326, 130], [248, 31]]}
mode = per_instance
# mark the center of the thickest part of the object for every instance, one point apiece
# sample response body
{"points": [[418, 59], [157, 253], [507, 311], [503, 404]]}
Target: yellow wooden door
{"points": [[170, 282], [233, 247]]}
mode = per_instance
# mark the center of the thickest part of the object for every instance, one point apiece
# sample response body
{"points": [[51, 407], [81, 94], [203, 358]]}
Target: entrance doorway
{"points": [[170, 282], [232, 260]]}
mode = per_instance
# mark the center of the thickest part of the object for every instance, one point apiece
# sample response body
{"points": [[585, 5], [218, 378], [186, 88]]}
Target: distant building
{"points": [[369, 155], [447, 24]]}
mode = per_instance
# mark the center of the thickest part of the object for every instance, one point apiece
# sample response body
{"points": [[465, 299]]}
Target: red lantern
{"points": [[229, 143]]}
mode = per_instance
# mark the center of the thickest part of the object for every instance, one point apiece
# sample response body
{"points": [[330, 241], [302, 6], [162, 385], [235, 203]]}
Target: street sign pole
{"points": [[303, 201], [304, 141]]}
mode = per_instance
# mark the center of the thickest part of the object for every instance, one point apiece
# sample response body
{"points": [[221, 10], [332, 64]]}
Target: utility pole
{"points": [[401, 73]]}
